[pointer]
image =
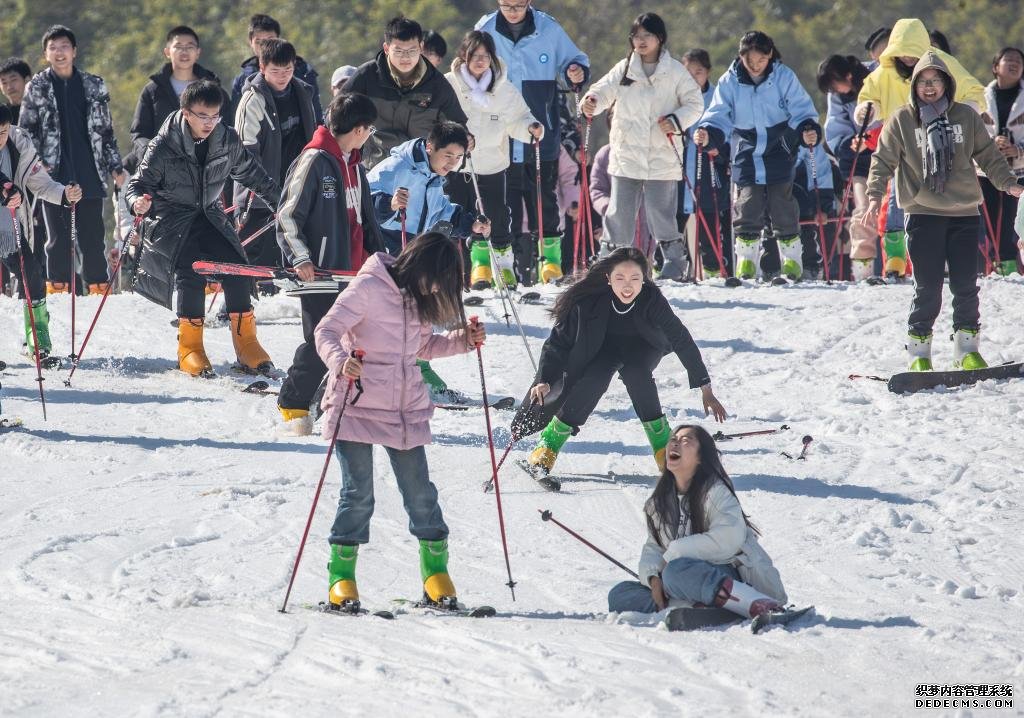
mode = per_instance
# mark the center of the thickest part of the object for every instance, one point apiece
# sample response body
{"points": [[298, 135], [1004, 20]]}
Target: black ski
{"points": [[3, 365], [733, 282], [530, 298], [778, 618], [473, 301], [505, 403], [875, 281], [430, 608], [545, 480], [909, 382], [350, 610], [260, 388], [692, 618], [51, 362]]}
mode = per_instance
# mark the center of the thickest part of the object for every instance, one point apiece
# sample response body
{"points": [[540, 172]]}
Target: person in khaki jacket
{"points": [[930, 146]]}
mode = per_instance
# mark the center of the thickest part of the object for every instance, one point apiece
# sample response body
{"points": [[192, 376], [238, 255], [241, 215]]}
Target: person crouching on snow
{"points": [[613, 320], [931, 145], [701, 547], [388, 311]]}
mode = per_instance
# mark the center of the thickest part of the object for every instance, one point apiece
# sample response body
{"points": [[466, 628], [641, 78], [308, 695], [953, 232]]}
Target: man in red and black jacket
{"points": [[325, 221]]}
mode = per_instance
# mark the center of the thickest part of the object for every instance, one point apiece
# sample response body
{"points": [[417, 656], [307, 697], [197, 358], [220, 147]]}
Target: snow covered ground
{"points": [[147, 530]]}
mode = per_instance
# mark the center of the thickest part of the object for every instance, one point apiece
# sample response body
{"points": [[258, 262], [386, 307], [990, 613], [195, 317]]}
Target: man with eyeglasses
{"points": [[178, 188], [67, 113], [162, 94], [538, 55], [275, 119], [411, 96]]}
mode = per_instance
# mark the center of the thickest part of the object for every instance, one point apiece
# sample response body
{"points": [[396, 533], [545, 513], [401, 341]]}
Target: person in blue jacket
{"points": [[810, 203], [407, 188], [538, 54], [761, 106]]}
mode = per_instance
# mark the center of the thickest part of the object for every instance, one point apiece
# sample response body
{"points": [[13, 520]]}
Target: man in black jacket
{"points": [[181, 178], [161, 95], [275, 119], [325, 221], [410, 95], [264, 27]]}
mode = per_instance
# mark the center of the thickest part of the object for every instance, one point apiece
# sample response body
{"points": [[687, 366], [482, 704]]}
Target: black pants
{"points": [[264, 250], [36, 286], [522, 196], [459, 188], [933, 241], [205, 242], [91, 245], [307, 369], [1006, 237], [635, 360]]}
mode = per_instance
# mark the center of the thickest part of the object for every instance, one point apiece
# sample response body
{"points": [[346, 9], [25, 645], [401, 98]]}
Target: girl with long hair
{"points": [[613, 320], [389, 311]]}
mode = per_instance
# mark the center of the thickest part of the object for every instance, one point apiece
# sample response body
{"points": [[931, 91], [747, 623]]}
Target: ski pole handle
{"points": [[545, 515]]}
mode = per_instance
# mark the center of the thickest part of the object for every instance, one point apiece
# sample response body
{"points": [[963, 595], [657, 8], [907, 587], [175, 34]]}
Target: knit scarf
{"points": [[8, 241], [937, 152], [477, 88]]}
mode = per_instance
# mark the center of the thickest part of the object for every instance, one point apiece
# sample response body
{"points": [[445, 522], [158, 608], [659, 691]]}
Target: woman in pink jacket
{"points": [[389, 311]]}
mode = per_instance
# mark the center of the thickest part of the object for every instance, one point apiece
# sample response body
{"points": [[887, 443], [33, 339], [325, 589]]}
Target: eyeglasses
{"points": [[205, 119], [937, 82], [480, 56], [513, 8], [184, 48], [406, 54]]}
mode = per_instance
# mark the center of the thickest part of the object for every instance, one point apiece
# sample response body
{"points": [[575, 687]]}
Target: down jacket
{"points": [[1014, 124], [374, 315], [181, 189], [728, 540], [32, 179], [639, 149], [506, 116]]}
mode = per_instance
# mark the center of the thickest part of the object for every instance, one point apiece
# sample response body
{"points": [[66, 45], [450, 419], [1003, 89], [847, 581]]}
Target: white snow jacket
{"points": [[31, 177], [728, 540], [506, 116], [1014, 123], [639, 149]]}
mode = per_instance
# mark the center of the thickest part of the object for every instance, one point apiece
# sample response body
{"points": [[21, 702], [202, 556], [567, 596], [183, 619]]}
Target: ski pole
{"points": [[545, 515], [358, 354], [103, 300], [817, 213], [718, 244], [249, 240], [700, 215], [31, 313], [849, 186], [540, 207], [401, 218], [482, 217], [719, 436], [803, 453], [244, 217], [494, 464], [116, 276], [71, 268], [585, 212], [697, 262]]}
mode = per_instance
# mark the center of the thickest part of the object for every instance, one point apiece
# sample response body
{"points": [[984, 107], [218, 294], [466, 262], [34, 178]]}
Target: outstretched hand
{"points": [[712, 406]]}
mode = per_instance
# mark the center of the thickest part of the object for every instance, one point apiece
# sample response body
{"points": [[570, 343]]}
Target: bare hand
{"points": [[400, 199], [476, 333], [810, 137], [472, 143], [712, 406], [658, 593], [1009, 151], [482, 228], [142, 205], [119, 177], [538, 392], [856, 144], [588, 106], [13, 196], [573, 211], [1016, 190], [306, 271], [701, 137], [870, 218], [352, 368], [576, 74], [73, 193], [667, 126], [863, 110], [1001, 141], [537, 131]]}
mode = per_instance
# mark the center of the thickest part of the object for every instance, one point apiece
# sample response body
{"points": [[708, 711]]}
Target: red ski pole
{"points": [[494, 464], [849, 188], [540, 207], [700, 215], [546, 516], [817, 213], [31, 313], [71, 268], [358, 354], [585, 207], [248, 240]]}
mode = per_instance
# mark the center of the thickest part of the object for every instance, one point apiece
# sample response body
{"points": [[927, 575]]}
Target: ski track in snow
{"points": [[148, 529]]}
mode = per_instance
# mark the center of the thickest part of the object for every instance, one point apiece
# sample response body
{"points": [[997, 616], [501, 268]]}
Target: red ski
{"points": [[247, 270]]}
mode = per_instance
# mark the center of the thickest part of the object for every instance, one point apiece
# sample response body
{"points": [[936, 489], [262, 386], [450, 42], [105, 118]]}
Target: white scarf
{"points": [[477, 88]]}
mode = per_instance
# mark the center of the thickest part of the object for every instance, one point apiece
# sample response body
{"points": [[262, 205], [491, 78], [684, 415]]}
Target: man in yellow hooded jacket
{"points": [[887, 89]]}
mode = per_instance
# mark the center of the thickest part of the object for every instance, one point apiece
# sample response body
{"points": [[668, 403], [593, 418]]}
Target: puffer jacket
{"points": [[31, 177], [374, 315], [41, 119], [1014, 124], [303, 70], [639, 149], [888, 91], [728, 540], [505, 117], [181, 189]]}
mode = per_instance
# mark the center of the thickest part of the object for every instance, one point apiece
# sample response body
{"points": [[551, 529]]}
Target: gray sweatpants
{"points": [[751, 203], [659, 198]]}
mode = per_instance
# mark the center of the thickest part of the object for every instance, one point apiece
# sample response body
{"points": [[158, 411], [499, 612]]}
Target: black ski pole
{"points": [[719, 436], [31, 309], [546, 516], [358, 354]]}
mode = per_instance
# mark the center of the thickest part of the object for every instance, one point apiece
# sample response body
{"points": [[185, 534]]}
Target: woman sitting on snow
{"points": [[701, 547], [613, 320]]}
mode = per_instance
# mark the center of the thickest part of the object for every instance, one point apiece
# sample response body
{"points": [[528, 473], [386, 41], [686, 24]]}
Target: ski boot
{"points": [[98, 288], [965, 349], [480, 274], [504, 265], [676, 265], [919, 347], [211, 288], [56, 288], [297, 422], [791, 257], [341, 576], [550, 268], [192, 357], [439, 391], [542, 459], [438, 589], [658, 433], [862, 269], [744, 600], [895, 253], [251, 356], [1006, 267], [747, 249], [41, 314]]}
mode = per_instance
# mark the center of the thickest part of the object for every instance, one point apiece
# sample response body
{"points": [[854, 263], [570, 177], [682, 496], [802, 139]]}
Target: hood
{"points": [[377, 265], [740, 70], [322, 139], [931, 60], [414, 154], [457, 63], [909, 38]]}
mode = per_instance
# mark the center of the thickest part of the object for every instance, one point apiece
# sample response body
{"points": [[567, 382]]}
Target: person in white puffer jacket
{"points": [[654, 96], [497, 112], [701, 547]]}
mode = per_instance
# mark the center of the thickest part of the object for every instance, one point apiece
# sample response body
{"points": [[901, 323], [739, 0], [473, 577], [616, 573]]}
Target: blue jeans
{"points": [[895, 219], [355, 504], [687, 578]]}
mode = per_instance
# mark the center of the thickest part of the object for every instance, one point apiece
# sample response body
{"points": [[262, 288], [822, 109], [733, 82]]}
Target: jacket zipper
{"points": [[323, 250]]}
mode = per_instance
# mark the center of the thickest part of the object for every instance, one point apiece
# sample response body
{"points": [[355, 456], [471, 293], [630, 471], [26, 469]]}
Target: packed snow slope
{"points": [[148, 529]]}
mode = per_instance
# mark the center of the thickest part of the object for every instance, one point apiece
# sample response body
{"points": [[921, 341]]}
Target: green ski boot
{"points": [[791, 257], [551, 260], [965, 349], [42, 321], [341, 571], [552, 439], [1006, 267], [658, 433], [480, 275], [439, 391], [895, 253], [747, 248], [437, 584], [919, 347]]}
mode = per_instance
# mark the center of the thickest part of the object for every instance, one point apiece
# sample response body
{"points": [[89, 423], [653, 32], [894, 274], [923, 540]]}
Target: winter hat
{"points": [[341, 75]]}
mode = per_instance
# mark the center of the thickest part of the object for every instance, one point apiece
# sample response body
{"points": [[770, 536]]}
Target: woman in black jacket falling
{"points": [[615, 319]]}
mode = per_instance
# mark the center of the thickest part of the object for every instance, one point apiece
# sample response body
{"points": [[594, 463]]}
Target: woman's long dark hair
{"points": [[836, 68], [649, 22], [662, 507], [432, 259], [473, 41], [595, 281]]}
